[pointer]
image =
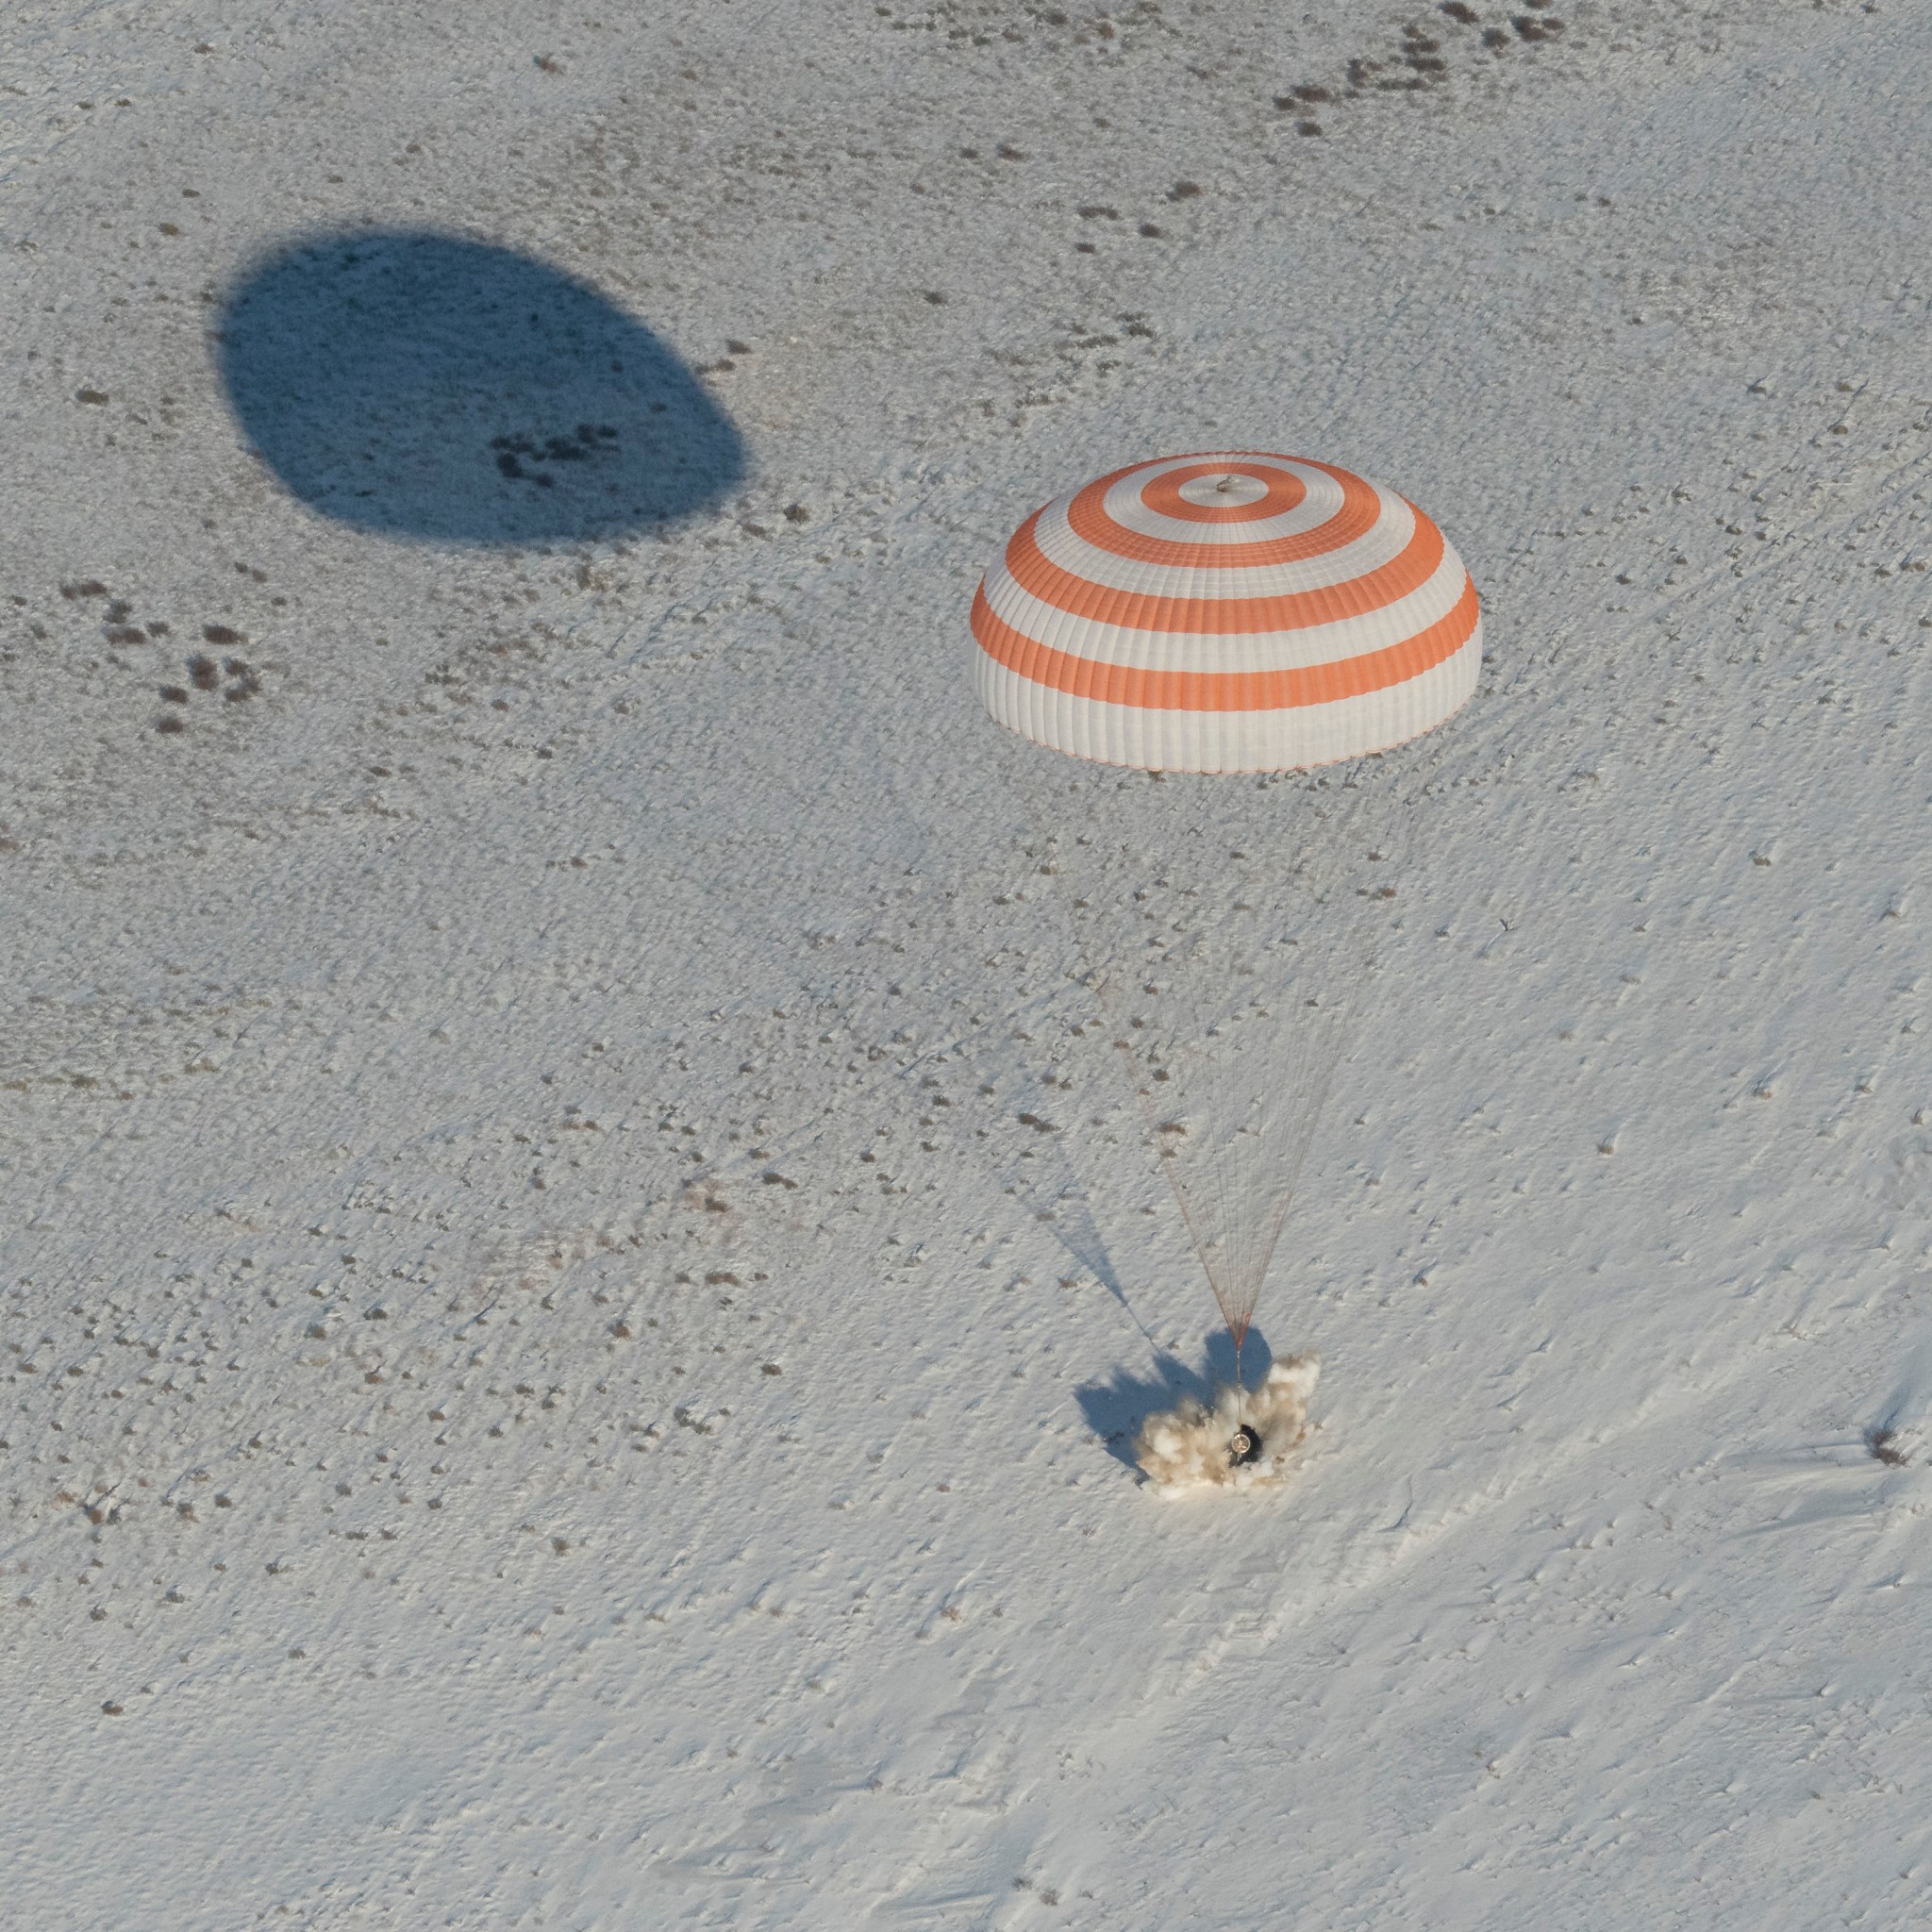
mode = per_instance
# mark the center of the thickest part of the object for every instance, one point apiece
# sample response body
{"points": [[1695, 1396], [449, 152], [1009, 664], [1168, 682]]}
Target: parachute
{"points": [[1195, 618], [1229, 613]]}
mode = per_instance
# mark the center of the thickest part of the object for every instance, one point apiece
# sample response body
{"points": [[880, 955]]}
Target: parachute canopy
{"points": [[1231, 611]]}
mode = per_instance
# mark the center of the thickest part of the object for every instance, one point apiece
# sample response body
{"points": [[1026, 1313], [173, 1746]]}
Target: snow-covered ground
{"points": [[540, 1393]]}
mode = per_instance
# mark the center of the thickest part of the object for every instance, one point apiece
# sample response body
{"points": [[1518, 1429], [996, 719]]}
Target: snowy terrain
{"points": [[538, 1391]]}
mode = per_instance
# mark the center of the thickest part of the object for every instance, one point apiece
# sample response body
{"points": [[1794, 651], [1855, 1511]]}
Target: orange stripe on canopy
{"points": [[1077, 596], [1282, 491], [1360, 507], [1225, 690]]}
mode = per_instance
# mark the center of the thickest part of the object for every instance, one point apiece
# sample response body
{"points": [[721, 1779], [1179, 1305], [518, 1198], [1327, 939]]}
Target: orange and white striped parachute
{"points": [[1232, 611]]}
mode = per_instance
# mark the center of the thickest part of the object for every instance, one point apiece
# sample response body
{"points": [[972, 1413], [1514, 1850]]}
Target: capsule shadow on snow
{"points": [[428, 387], [1115, 1410]]}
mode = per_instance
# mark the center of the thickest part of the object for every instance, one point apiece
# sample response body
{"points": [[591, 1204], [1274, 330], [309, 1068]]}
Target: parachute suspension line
{"points": [[1234, 1246], [1240, 1380], [1253, 976], [1235, 1278], [1101, 987]]}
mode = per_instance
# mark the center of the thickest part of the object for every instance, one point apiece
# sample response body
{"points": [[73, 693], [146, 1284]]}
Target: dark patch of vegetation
{"points": [[1419, 62], [591, 439]]}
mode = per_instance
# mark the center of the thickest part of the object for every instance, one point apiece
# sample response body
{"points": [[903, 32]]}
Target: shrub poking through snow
{"points": [[1195, 1445]]}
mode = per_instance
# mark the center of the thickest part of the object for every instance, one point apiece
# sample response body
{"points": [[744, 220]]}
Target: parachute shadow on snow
{"points": [[1069, 1217], [1115, 1409], [1026, 1151], [1039, 1173], [425, 386]]}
